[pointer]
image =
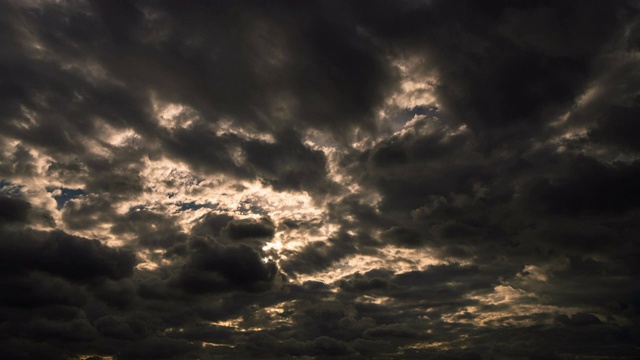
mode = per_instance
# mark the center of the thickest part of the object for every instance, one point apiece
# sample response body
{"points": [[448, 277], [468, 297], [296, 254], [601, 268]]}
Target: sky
{"points": [[415, 179]]}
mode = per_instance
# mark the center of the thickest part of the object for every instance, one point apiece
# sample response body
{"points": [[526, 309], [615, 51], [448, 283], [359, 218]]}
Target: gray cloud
{"points": [[416, 179]]}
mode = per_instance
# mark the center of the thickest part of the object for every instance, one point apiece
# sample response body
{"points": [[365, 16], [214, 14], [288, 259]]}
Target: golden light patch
{"points": [[151, 259], [434, 345], [227, 126], [378, 300], [172, 115], [395, 259], [417, 86], [506, 305], [204, 343], [236, 325]]}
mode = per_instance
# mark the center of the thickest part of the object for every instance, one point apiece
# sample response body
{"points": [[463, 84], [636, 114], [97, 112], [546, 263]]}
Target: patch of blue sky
{"points": [[63, 195], [192, 205], [10, 189]]}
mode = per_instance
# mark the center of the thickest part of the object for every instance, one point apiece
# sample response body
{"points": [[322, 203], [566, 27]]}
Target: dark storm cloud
{"points": [[485, 221], [617, 126], [305, 75], [359, 329], [319, 255], [213, 267], [152, 230], [589, 186], [211, 224], [431, 160], [13, 210], [120, 294], [87, 211], [441, 190], [65, 290], [428, 294], [286, 164], [58, 105], [64, 255], [48, 277], [39, 289], [505, 68], [250, 228], [204, 150], [261, 345], [515, 176]]}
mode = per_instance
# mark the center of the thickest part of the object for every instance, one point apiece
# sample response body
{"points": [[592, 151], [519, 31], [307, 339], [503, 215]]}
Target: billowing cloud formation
{"points": [[412, 179]]}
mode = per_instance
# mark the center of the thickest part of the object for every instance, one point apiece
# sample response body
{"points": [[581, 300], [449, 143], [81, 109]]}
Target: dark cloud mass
{"points": [[419, 179]]}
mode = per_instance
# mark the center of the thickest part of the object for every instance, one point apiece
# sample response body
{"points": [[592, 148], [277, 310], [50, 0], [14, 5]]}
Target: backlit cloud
{"points": [[383, 180]]}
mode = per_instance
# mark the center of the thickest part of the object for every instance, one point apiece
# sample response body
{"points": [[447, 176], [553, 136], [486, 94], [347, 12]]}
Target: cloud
{"points": [[13, 210], [250, 228], [417, 179], [61, 254], [320, 254], [212, 267]]}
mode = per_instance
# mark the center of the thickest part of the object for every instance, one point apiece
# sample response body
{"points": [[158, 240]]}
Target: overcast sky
{"points": [[319, 179]]}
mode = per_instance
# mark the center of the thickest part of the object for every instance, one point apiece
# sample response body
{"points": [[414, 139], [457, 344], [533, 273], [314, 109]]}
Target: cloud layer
{"points": [[414, 179]]}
